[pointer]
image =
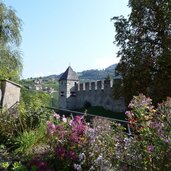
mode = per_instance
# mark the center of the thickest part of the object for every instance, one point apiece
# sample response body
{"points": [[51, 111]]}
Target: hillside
{"points": [[92, 74], [95, 74], [50, 83]]}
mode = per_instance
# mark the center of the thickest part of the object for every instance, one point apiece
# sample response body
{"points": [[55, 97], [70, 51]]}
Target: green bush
{"points": [[28, 141]]}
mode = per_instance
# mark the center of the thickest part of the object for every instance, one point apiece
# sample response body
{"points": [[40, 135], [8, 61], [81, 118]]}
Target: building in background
{"points": [[74, 95]]}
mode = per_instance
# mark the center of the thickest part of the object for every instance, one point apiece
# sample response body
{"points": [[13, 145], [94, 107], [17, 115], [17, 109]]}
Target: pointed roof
{"points": [[69, 74]]}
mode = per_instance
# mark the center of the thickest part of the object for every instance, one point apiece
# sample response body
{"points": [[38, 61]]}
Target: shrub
{"points": [[103, 146], [150, 147], [66, 137], [74, 144], [31, 142]]}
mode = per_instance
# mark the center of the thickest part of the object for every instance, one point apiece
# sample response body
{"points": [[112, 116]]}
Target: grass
{"points": [[100, 111]]}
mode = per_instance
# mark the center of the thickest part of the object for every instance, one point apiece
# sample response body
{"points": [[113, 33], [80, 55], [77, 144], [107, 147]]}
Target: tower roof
{"points": [[69, 74]]}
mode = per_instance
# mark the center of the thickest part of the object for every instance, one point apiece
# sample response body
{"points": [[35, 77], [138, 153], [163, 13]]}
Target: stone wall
{"points": [[98, 93], [67, 90], [10, 93]]}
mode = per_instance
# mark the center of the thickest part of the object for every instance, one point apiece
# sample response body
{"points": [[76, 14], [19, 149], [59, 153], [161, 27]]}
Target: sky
{"points": [[59, 33]]}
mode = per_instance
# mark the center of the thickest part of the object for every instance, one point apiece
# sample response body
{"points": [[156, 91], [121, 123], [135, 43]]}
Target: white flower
{"points": [[98, 160], [64, 118], [77, 167], [81, 156]]}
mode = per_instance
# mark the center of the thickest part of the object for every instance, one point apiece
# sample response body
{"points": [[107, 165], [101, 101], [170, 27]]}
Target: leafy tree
{"points": [[144, 39], [10, 39], [32, 107]]}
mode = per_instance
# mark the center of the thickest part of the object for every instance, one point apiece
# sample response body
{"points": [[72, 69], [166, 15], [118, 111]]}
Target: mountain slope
{"points": [[50, 85], [92, 74]]}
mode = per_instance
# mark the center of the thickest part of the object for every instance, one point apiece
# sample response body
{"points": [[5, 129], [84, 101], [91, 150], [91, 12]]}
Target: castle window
{"points": [[73, 93], [62, 93]]}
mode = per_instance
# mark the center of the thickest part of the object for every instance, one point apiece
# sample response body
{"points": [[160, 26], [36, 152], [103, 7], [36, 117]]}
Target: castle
{"points": [[74, 95]]}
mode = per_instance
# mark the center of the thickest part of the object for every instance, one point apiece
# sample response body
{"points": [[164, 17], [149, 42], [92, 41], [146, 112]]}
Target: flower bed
{"points": [[73, 144]]}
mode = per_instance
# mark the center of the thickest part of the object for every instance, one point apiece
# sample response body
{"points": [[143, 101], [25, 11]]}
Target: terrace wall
{"points": [[9, 93]]}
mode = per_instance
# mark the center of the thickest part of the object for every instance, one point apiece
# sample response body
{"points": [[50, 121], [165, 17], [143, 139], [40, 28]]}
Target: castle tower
{"points": [[67, 89]]}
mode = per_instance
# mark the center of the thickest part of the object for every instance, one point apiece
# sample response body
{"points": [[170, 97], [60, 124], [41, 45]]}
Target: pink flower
{"points": [[150, 148], [51, 127], [72, 155], [58, 127], [78, 119], [57, 116]]}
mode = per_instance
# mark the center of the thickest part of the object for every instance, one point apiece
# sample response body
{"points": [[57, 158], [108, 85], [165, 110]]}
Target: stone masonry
{"points": [[73, 94], [9, 93]]}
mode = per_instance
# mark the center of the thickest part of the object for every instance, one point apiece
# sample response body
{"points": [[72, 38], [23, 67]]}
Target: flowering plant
{"points": [[151, 142], [104, 144], [66, 137]]}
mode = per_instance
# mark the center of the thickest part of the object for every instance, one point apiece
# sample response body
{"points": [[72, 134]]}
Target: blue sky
{"points": [[59, 33]]}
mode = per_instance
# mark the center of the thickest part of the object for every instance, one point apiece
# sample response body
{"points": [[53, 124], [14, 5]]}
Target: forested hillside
{"points": [[92, 74]]}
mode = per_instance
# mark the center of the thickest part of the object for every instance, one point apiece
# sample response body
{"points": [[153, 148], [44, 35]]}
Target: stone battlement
{"points": [[94, 85], [74, 95]]}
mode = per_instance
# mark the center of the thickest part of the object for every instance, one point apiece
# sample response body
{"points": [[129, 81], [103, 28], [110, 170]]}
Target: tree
{"points": [[32, 107], [10, 39], [144, 39]]}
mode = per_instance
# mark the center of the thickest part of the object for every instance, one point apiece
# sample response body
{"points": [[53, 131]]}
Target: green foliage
{"points": [[32, 107], [27, 118], [73, 143], [144, 40], [5, 165], [100, 111], [10, 38], [28, 141], [35, 99], [150, 148], [47, 84], [44, 82], [51, 83], [118, 89], [54, 99], [10, 125], [17, 166]]}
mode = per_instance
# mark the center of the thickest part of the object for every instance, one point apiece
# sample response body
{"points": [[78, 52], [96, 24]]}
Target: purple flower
{"points": [[150, 148], [60, 152], [92, 135], [128, 113], [74, 137]]}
